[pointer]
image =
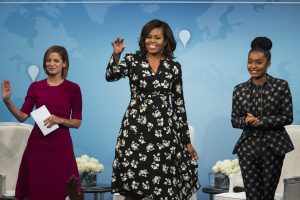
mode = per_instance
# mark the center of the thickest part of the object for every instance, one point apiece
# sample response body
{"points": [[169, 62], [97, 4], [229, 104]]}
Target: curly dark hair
{"points": [[262, 44], [167, 33]]}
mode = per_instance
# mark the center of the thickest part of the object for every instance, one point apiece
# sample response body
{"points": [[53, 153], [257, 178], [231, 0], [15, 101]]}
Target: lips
{"points": [[51, 69], [254, 72], [152, 46]]}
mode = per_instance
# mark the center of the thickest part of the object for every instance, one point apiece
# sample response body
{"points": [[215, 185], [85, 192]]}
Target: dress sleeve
{"points": [[115, 71], [178, 106], [30, 100], [77, 104], [285, 116]]}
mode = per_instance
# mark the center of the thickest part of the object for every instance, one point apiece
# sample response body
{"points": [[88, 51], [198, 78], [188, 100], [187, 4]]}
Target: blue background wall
{"points": [[213, 61]]}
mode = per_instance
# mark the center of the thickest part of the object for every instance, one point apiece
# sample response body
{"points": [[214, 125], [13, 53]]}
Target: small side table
{"points": [[212, 190], [100, 188]]}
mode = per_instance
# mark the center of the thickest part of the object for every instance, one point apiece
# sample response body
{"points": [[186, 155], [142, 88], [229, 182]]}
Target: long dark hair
{"points": [[64, 56], [167, 33], [262, 44]]}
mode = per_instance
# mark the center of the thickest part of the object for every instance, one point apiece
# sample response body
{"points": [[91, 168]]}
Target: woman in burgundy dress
{"points": [[48, 161]]}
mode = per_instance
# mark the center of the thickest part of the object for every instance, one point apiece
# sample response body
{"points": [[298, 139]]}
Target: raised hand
{"points": [[6, 90], [118, 47]]}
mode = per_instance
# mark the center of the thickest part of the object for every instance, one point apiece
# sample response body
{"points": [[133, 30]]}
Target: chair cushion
{"points": [[13, 140]]}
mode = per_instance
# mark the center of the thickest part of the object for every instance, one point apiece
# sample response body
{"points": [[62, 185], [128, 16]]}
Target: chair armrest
{"points": [[235, 180], [291, 188]]}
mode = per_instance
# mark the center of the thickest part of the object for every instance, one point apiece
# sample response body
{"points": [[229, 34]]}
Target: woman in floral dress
{"points": [[154, 157]]}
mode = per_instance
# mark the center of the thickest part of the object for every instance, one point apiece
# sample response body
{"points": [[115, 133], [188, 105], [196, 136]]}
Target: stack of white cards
{"points": [[39, 115]]}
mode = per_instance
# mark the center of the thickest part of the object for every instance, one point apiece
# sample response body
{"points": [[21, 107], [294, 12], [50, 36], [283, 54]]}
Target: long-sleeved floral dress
{"points": [[151, 158]]}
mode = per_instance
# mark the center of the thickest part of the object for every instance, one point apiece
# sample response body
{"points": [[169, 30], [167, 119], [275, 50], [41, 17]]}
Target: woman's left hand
{"points": [[51, 120], [192, 151]]}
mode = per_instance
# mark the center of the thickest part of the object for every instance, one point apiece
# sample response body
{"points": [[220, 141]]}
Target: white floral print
{"points": [[151, 158]]}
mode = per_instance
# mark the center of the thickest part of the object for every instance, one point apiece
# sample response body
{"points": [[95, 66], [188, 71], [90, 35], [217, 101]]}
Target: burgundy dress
{"points": [[49, 161]]}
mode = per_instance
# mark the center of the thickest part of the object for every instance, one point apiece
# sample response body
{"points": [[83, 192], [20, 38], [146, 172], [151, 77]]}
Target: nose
{"points": [[252, 65], [50, 63], [152, 40]]}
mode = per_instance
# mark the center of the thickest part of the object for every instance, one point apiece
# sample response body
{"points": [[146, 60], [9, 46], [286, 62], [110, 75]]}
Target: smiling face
{"points": [[54, 64], [55, 58], [257, 65], [155, 41]]}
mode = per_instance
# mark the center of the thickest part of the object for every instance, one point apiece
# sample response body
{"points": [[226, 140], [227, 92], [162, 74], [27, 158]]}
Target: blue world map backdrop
{"points": [[213, 40]]}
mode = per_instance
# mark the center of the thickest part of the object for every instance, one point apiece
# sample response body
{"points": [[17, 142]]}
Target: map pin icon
{"points": [[184, 36], [33, 72]]}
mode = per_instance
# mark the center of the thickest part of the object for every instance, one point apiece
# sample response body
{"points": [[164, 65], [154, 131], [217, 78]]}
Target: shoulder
{"points": [[132, 56], [173, 62], [243, 85], [277, 82], [40, 83], [174, 65], [71, 85]]}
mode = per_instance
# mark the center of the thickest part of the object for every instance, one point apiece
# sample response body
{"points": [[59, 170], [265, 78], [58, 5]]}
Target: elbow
{"points": [[76, 127], [22, 118], [77, 124], [233, 124], [290, 120], [109, 78]]}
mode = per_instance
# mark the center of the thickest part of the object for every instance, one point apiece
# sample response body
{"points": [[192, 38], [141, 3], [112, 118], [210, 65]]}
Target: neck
{"points": [[54, 80], [260, 80], [158, 56]]}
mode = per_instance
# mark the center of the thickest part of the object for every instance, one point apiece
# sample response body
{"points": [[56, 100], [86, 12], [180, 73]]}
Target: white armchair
{"points": [[289, 184], [13, 140], [118, 196]]}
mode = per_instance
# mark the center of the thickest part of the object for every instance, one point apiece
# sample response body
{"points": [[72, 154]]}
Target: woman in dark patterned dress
{"points": [[262, 106], [48, 161], [154, 157]]}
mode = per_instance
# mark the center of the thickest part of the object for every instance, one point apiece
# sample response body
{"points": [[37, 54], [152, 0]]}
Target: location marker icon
{"points": [[184, 36], [33, 72]]}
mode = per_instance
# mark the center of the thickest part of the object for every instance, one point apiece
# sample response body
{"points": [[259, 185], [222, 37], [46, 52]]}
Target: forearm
{"points": [[179, 110], [276, 121], [238, 122], [114, 71], [70, 123], [18, 114], [283, 115]]}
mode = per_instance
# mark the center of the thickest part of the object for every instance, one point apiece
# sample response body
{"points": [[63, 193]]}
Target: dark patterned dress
{"points": [[151, 158]]}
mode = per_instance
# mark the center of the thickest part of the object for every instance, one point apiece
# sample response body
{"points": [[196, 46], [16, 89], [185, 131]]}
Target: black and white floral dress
{"points": [[151, 158]]}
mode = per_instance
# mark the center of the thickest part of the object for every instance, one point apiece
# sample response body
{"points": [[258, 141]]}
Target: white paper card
{"points": [[39, 115]]}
